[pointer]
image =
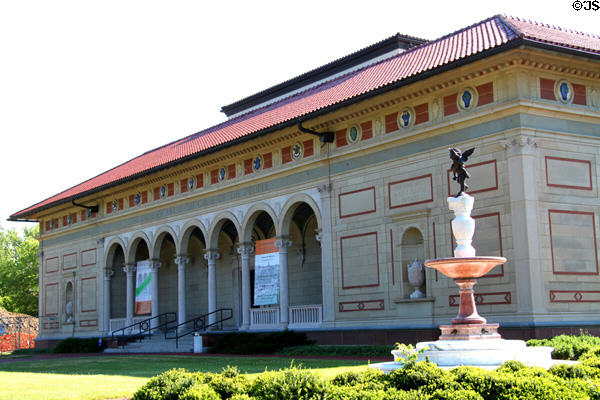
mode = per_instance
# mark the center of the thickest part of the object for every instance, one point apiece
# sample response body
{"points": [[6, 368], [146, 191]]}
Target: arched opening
{"points": [[165, 251], [412, 249], [263, 227], [69, 303], [118, 284], [139, 251], [196, 274], [300, 223], [304, 259], [228, 272]]}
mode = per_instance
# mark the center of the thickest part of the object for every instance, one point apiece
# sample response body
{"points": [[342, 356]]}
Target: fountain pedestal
{"points": [[469, 339]]}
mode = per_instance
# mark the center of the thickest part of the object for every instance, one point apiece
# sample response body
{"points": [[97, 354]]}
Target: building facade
{"points": [[353, 195]]}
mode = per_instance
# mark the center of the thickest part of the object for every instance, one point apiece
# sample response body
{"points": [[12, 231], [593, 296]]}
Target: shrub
{"points": [[568, 347], [462, 394], [225, 386], [254, 343], [421, 375], [242, 397], [199, 392], [575, 371], [592, 353], [520, 385], [77, 345], [371, 378], [290, 384], [169, 385], [329, 350]]}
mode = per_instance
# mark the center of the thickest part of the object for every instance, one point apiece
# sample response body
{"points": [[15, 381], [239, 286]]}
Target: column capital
{"points": [[521, 145], [211, 255], [245, 249], [108, 273], [325, 189], [129, 268], [155, 265], [182, 259], [283, 243]]}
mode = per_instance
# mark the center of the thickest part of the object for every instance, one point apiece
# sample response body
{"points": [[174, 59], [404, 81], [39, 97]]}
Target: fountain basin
{"points": [[467, 267]]}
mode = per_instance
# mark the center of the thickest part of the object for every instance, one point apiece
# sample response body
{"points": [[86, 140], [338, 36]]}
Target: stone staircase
{"points": [[156, 344]]}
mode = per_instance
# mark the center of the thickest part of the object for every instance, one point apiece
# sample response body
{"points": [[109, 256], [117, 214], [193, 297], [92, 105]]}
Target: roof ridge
{"points": [[402, 54], [545, 25], [509, 25], [396, 36]]}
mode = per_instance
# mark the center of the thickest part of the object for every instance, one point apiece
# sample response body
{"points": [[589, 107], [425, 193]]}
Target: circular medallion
{"points": [[257, 163], [563, 91], [353, 134], [297, 151], [406, 118], [467, 99], [222, 174], [115, 205], [163, 191], [138, 199], [191, 183]]}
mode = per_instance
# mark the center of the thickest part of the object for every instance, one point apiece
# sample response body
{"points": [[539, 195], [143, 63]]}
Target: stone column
{"points": [[108, 273], [41, 320], [325, 237], [154, 266], [212, 255], [284, 295], [130, 274], [245, 250], [181, 260], [522, 155]]}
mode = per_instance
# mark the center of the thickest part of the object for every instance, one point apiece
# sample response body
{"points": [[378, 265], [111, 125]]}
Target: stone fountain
{"points": [[469, 339]]}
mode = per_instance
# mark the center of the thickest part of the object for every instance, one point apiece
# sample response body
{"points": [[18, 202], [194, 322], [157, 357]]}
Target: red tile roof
{"points": [[476, 39]]}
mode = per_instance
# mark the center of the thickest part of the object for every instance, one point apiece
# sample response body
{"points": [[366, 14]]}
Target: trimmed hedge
{"points": [[255, 343], [329, 350], [415, 381], [568, 347], [77, 345]]}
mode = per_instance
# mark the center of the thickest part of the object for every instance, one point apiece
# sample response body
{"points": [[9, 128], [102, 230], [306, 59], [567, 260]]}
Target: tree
{"points": [[19, 270]]}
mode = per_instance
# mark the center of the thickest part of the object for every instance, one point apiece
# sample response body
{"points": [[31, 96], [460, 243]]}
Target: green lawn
{"points": [[108, 377]]}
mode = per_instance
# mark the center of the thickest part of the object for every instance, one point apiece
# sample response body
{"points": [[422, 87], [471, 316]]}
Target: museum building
{"points": [[343, 173]]}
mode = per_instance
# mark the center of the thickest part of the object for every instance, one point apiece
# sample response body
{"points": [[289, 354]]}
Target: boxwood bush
{"points": [[77, 345], [256, 343], [415, 381], [568, 347]]}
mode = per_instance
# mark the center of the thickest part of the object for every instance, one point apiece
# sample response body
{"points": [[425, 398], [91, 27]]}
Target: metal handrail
{"points": [[200, 324], [145, 326]]}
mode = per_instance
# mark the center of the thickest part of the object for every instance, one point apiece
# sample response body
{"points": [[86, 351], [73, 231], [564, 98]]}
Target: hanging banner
{"points": [[143, 288], [266, 273]]}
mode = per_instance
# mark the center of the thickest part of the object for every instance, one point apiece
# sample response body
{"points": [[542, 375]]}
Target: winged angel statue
{"points": [[458, 167]]}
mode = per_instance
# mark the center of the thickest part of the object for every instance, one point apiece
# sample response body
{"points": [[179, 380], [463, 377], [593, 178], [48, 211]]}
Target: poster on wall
{"points": [[143, 288], [266, 273]]}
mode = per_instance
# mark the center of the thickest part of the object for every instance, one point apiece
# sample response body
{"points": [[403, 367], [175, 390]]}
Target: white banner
{"points": [[266, 277], [143, 288]]}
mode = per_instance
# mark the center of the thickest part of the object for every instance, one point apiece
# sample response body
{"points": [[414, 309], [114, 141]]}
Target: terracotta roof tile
{"points": [[477, 38]]}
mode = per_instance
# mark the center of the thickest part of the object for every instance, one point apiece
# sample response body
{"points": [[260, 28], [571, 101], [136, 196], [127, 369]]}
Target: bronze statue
{"points": [[458, 167]]}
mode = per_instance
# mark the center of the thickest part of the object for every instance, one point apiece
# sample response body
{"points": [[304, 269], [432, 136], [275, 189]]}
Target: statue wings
{"points": [[466, 154]]}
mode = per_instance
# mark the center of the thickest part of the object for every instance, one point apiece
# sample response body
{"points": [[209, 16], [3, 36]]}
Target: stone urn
{"points": [[416, 277]]}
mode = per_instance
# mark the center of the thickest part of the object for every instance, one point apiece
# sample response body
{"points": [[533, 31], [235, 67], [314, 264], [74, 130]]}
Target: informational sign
{"points": [[266, 273], [143, 288]]}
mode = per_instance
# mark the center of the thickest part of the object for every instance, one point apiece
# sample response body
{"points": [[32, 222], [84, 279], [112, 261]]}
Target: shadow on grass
{"points": [[151, 365]]}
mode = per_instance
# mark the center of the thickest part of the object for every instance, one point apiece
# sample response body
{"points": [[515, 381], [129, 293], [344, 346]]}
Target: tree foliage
{"points": [[19, 270]]}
